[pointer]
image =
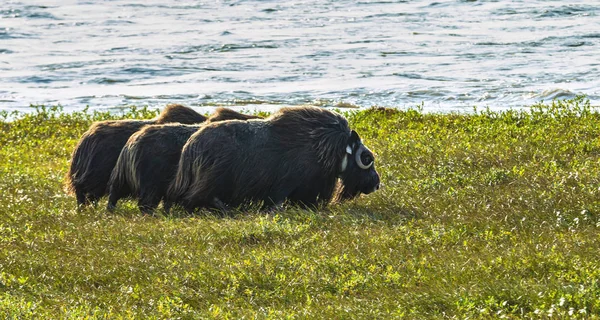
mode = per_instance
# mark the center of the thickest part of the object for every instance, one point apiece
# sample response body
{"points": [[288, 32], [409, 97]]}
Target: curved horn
{"points": [[358, 160]]}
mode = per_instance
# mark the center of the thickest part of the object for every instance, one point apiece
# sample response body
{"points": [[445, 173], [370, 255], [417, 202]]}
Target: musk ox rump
{"points": [[92, 159], [96, 153], [148, 162]]}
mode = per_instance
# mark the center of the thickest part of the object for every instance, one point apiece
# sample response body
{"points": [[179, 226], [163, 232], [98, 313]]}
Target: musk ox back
{"points": [[222, 114], [148, 161], [296, 154], [98, 149]]}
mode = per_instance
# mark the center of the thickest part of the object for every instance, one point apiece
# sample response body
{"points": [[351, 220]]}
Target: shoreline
{"points": [[261, 107]]}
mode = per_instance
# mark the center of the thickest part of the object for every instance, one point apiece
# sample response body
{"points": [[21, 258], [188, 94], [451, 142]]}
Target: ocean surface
{"points": [[442, 55]]}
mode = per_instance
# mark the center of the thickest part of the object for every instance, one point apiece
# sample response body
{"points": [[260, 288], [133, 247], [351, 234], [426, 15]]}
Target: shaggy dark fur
{"points": [[222, 114], [295, 154], [98, 149], [148, 161]]}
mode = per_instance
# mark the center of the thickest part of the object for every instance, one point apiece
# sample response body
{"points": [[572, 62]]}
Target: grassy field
{"points": [[484, 215]]}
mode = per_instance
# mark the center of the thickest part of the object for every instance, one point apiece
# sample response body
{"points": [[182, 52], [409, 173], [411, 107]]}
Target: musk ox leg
{"points": [[219, 205], [82, 200], [112, 202], [307, 205], [147, 205], [93, 201], [277, 207], [97, 192], [146, 209], [277, 199], [313, 197], [190, 206], [306, 199], [190, 209], [110, 206], [167, 206], [115, 194]]}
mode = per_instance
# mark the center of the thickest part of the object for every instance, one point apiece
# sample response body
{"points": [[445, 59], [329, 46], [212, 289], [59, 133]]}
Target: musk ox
{"points": [[98, 149], [296, 154], [148, 161]]}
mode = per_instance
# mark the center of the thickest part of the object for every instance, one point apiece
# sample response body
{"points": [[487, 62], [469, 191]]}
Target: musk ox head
{"points": [[358, 174]]}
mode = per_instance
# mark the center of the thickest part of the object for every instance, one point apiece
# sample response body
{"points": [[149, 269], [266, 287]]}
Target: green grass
{"points": [[482, 215]]}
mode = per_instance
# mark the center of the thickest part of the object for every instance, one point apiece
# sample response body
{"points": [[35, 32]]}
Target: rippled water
{"points": [[448, 55]]}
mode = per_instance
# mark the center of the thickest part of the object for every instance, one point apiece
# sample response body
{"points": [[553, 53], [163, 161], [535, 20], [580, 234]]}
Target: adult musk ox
{"points": [[297, 154], [148, 161], [98, 149]]}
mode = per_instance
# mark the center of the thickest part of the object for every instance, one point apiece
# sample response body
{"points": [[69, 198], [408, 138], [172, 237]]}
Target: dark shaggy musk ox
{"points": [[148, 161], [297, 154], [98, 149]]}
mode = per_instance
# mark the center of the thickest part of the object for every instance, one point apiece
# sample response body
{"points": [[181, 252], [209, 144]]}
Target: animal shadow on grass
{"points": [[250, 209], [355, 210], [128, 208], [389, 213]]}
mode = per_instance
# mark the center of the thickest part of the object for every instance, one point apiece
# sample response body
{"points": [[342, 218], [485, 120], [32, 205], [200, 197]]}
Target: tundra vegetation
{"points": [[486, 214]]}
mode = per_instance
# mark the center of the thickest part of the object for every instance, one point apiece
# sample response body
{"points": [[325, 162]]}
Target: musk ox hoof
{"points": [[110, 207], [274, 208], [219, 205], [147, 211], [167, 207]]}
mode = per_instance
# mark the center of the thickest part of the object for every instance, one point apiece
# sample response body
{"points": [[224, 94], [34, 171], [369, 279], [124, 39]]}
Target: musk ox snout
{"points": [[365, 160], [367, 180], [372, 184]]}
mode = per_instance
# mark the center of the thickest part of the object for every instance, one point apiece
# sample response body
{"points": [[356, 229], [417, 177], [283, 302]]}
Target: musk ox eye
{"points": [[366, 158]]}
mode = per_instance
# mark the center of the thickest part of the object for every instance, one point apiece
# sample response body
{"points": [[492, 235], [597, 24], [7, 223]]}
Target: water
{"points": [[446, 55]]}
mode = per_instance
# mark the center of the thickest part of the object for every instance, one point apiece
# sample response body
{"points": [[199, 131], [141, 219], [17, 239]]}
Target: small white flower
{"points": [[561, 302]]}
